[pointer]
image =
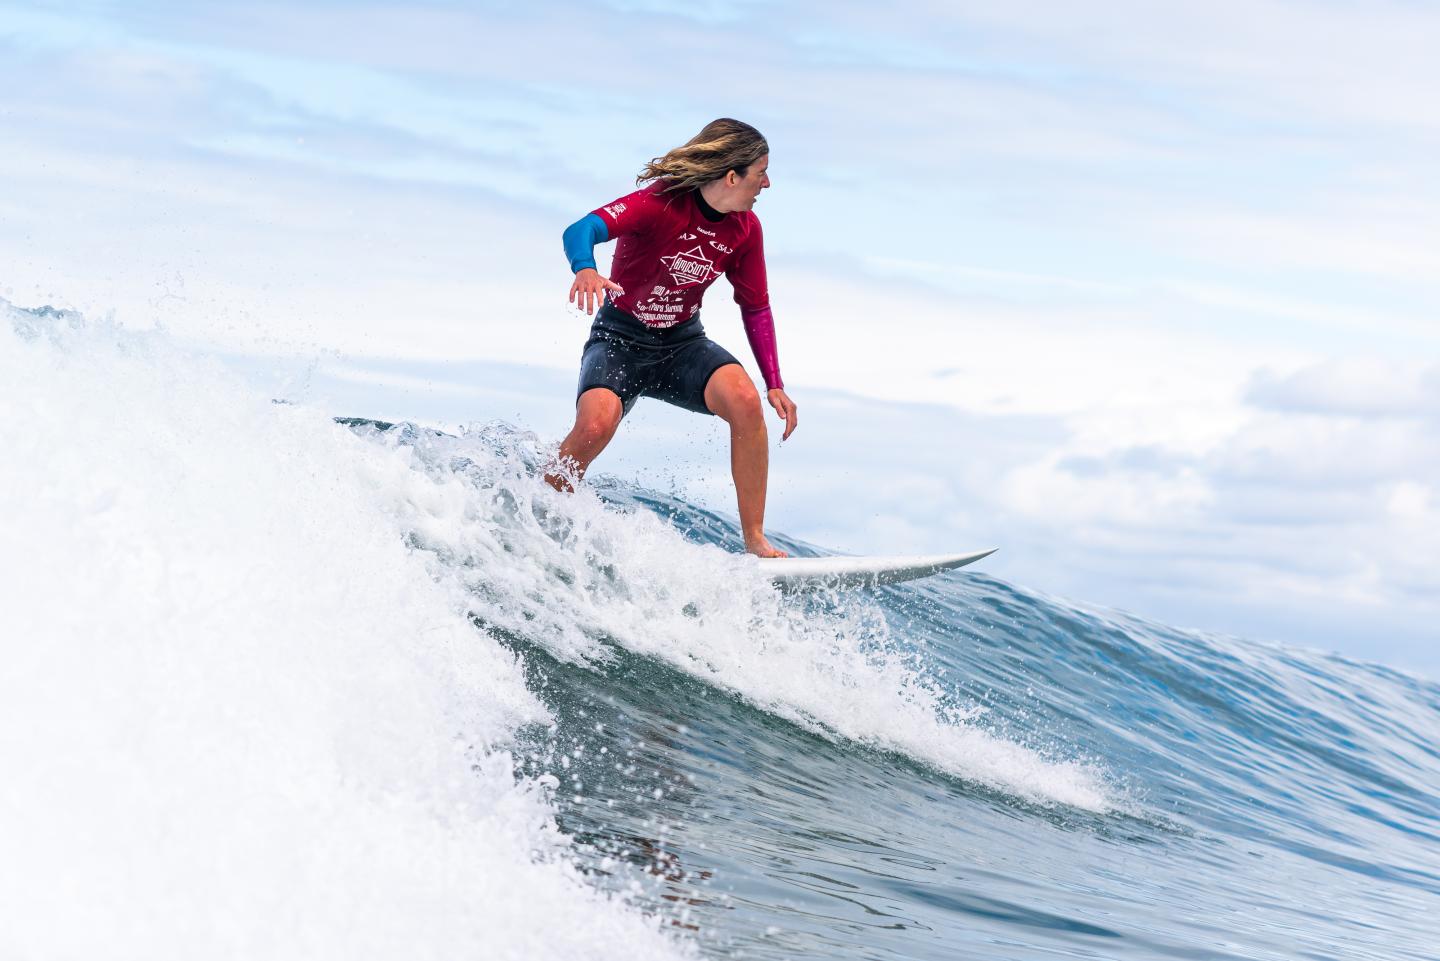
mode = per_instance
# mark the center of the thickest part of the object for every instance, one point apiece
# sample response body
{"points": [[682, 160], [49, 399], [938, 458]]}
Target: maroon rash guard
{"points": [[668, 252]]}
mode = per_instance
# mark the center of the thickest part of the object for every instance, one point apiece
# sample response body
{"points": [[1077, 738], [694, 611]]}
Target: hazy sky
{"points": [[1144, 294]]}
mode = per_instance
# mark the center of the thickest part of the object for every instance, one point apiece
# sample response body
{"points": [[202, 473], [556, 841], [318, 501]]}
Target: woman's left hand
{"points": [[785, 407]]}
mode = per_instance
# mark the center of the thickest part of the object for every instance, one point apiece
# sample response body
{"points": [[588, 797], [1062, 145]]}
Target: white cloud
{"points": [[1371, 63], [1355, 386]]}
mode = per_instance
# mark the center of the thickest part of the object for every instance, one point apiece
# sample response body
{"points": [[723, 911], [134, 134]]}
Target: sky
{"points": [[1145, 295]]}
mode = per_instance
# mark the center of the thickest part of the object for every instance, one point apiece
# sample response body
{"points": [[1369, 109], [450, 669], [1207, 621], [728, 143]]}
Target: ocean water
{"points": [[278, 685]]}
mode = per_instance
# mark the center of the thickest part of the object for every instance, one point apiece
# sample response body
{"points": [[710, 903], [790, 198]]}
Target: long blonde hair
{"points": [[724, 145]]}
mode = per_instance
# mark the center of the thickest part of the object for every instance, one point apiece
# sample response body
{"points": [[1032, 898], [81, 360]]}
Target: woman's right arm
{"points": [[588, 290], [580, 240]]}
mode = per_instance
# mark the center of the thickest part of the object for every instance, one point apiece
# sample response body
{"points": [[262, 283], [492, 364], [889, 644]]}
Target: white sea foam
{"points": [[238, 717], [572, 574]]}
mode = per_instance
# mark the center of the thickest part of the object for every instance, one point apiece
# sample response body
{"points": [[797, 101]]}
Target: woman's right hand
{"points": [[588, 291]]}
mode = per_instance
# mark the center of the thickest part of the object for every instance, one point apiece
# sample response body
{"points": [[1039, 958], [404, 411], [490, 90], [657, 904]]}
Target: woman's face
{"points": [[756, 179]]}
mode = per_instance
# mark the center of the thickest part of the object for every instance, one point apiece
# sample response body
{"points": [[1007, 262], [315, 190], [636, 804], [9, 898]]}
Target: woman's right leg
{"points": [[597, 415]]}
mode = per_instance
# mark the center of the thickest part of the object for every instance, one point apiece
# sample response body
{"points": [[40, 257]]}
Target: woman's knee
{"points": [[735, 398], [748, 410], [598, 413]]}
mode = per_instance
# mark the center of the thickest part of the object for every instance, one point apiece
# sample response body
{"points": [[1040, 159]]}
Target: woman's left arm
{"points": [[752, 292], [760, 331]]}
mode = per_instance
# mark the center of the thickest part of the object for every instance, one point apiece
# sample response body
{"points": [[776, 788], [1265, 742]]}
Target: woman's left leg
{"points": [[730, 395]]}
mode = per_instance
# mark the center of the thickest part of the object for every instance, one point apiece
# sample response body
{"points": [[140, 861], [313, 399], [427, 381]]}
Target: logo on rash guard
{"points": [[615, 210], [691, 267]]}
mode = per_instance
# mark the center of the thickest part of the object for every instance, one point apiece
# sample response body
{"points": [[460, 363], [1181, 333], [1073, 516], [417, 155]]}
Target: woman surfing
{"points": [[691, 223]]}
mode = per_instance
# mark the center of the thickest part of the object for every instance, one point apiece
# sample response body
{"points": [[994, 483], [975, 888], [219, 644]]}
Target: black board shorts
{"points": [[635, 360]]}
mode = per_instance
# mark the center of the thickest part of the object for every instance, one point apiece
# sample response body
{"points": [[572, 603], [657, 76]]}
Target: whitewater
{"points": [[286, 681]]}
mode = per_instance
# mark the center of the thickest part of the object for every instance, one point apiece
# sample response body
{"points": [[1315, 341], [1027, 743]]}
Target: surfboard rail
{"points": [[797, 572]]}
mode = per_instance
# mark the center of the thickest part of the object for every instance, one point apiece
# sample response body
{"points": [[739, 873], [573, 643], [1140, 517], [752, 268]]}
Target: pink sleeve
{"points": [[752, 293], [631, 214], [760, 331]]}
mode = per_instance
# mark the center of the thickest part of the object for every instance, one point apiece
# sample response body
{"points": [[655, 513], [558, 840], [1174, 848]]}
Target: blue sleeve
{"points": [[580, 240]]}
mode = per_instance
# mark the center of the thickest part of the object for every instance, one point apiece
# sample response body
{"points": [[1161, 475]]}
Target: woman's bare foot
{"points": [[761, 547]]}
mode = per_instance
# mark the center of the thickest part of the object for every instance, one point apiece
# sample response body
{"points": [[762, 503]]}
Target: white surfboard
{"points": [[801, 572]]}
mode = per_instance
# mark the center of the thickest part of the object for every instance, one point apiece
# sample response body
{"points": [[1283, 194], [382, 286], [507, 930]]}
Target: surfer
{"points": [[689, 224]]}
